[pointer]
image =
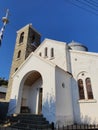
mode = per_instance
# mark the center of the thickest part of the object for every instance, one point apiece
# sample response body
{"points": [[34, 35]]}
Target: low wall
{"points": [[3, 110]]}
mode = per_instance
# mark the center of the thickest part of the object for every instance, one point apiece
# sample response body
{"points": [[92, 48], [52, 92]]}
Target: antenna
{"points": [[5, 21]]}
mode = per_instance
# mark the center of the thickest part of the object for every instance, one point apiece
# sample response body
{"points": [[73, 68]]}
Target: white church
{"points": [[53, 78]]}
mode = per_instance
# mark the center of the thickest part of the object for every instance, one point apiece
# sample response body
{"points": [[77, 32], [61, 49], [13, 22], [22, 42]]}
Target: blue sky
{"points": [[62, 20]]}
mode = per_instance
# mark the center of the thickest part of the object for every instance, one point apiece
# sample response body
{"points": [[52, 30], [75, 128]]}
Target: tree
{"points": [[3, 81]]}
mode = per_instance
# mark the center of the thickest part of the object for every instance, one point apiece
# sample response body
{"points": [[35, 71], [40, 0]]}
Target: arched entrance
{"points": [[32, 90]]}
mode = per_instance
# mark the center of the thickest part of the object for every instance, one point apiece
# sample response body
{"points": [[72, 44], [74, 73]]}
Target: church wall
{"points": [[47, 72], [64, 111], [49, 98], [87, 64]]}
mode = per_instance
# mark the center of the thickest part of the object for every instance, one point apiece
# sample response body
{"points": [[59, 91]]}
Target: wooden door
{"points": [[40, 101]]}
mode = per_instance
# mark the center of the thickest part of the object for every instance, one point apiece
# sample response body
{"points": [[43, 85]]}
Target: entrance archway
{"points": [[32, 91]]}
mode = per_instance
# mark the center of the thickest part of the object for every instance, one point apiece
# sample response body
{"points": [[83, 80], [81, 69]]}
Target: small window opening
{"points": [[33, 37], [63, 85], [52, 52], [16, 69], [46, 52], [21, 37], [40, 54], [19, 54]]}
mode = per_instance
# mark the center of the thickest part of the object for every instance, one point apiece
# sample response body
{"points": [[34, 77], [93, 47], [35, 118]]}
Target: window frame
{"points": [[81, 89], [88, 95], [89, 88]]}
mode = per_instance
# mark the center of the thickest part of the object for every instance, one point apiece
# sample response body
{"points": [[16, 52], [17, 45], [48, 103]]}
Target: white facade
{"points": [[56, 67], [84, 64]]}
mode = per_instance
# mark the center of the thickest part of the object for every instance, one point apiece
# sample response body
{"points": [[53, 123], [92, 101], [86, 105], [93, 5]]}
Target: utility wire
{"points": [[81, 7], [95, 1], [85, 3], [91, 3]]}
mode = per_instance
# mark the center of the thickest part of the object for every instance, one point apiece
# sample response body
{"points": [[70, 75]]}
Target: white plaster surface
{"points": [[60, 101]]}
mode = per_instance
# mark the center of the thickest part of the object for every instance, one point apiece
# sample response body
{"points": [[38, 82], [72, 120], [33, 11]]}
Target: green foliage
{"points": [[3, 81]]}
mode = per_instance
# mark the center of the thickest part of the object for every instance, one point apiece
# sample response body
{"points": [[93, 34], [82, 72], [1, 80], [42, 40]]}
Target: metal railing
{"points": [[71, 127], [78, 127]]}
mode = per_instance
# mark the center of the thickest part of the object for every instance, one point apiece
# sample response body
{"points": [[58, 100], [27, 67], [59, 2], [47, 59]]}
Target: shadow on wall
{"points": [[87, 120], [3, 110], [75, 94], [11, 107], [75, 103], [48, 109]]}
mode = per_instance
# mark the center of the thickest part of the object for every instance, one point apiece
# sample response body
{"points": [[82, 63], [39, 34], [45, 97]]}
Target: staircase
{"points": [[27, 121]]}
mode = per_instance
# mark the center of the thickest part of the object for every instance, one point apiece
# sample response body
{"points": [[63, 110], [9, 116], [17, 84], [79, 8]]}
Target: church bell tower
{"points": [[27, 40]]}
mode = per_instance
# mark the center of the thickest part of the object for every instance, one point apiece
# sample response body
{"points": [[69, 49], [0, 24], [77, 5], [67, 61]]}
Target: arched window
{"points": [[21, 37], [46, 52], [19, 54], [89, 88], [81, 89], [52, 52]]}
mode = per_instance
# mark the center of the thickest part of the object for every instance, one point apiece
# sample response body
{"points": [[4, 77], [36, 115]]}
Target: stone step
{"points": [[34, 121], [31, 118], [27, 117], [31, 125], [30, 122], [29, 114]]}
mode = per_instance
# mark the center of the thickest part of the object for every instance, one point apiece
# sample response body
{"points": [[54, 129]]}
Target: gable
{"points": [[48, 43], [33, 62], [37, 63], [53, 51]]}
